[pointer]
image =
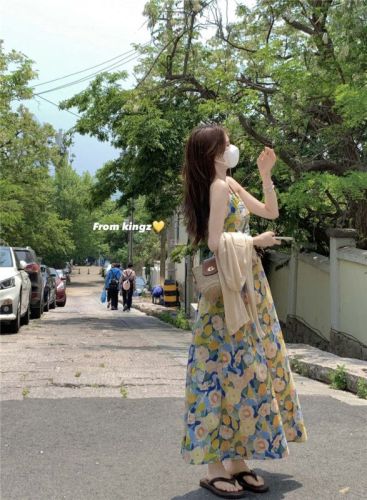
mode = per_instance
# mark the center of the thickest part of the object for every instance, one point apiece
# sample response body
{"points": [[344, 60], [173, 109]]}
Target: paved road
{"points": [[102, 418]]}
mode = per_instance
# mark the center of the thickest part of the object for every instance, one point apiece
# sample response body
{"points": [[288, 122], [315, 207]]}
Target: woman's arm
{"points": [[267, 210], [219, 199]]}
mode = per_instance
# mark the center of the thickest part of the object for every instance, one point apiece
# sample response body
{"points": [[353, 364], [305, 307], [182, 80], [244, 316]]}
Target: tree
{"points": [[288, 74], [27, 149]]}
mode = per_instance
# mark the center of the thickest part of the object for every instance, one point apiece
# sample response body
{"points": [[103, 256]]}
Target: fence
{"points": [[322, 301]]}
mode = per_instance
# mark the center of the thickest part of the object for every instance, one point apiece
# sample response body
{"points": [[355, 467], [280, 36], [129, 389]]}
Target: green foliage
{"points": [[49, 213], [277, 76], [319, 200], [338, 378], [178, 320], [150, 130], [290, 74], [181, 251], [362, 388], [351, 102], [25, 392], [123, 391], [182, 321]]}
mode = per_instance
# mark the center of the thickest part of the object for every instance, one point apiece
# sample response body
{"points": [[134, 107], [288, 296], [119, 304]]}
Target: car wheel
{"points": [[15, 324], [61, 304], [25, 319], [46, 305], [36, 312], [53, 304]]}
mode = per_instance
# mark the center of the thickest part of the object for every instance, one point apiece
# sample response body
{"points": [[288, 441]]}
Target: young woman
{"points": [[127, 294], [240, 400]]}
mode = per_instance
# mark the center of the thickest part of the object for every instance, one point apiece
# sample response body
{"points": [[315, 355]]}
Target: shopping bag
{"points": [[103, 296]]}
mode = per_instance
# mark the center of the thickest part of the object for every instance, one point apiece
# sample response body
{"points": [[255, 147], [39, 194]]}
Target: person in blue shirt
{"points": [[112, 285]]}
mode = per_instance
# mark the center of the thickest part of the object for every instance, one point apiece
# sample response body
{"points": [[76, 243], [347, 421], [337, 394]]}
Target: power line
{"points": [[86, 69], [109, 68], [122, 58], [71, 112], [50, 102]]}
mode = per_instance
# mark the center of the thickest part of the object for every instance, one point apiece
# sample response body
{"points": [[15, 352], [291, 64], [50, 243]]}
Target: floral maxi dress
{"points": [[240, 397]]}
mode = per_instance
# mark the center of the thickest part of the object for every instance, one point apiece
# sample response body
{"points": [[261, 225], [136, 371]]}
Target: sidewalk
{"points": [[320, 365], [146, 306], [306, 360]]}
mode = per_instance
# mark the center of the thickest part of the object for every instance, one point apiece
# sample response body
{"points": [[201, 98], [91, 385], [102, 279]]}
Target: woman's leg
{"points": [[217, 469], [129, 298]]}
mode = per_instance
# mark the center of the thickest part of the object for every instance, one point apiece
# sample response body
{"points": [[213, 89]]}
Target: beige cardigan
{"points": [[234, 258]]}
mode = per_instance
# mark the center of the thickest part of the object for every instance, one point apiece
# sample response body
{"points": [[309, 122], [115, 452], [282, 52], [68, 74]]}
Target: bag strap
{"points": [[113, 274]]}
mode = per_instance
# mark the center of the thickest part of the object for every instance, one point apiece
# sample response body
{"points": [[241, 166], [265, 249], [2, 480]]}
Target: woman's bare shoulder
{"points": [[233, 184], [218, 186], [218, 191]]}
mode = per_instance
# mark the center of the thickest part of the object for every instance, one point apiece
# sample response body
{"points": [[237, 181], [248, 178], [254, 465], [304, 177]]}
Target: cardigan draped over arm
{"points": [[234, 257]]}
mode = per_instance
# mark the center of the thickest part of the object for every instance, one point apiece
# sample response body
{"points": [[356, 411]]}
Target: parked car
{"points": [[15, 290], [140, 286], [60, 288], [28, 255], [49, 293]]}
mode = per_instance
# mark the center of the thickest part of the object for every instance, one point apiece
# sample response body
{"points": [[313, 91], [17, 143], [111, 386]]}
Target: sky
{"points": [[65, 37]]}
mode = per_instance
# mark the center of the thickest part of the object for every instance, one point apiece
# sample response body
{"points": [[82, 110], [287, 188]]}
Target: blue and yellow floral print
{"points": [[240, 397]]}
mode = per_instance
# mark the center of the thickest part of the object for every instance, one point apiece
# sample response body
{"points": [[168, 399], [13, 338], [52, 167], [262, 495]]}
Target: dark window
{"points": [[5, 257], [25, 255]]}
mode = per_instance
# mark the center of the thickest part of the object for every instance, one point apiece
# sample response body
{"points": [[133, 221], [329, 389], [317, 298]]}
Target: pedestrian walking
{"points": [[240, 399], [112, 284], [128, 285]]}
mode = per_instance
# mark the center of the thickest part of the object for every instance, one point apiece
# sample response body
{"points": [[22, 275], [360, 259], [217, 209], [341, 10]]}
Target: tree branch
{"points": [[334, 202], [256, 86], [283, 155], [323, 165], [270, 29], [269, 114], [299, 26], [153, 64], [235, 46], [188, 45], [198, 87]]}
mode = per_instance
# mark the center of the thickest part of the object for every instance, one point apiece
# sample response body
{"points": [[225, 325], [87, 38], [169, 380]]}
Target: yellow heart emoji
{"points": [[158, 226]]}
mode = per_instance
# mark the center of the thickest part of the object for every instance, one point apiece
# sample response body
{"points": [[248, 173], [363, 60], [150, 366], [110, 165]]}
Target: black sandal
{"points": [[209, 485], [240, 477]]}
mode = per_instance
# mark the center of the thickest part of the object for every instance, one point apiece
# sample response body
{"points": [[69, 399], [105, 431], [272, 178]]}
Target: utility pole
{"points": [[131, 233], [171, 241], [60, 142]]}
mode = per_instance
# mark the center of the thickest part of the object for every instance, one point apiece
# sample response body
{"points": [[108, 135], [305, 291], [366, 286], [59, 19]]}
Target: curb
{"points": [[311, 363], [153, 309], [325, 373]]}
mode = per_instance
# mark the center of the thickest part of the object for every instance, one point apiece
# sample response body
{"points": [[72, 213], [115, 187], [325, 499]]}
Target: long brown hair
{"points": [[204, 144]]}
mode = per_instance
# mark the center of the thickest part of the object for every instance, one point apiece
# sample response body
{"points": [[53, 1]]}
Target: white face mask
{"points": [[231, 156]]}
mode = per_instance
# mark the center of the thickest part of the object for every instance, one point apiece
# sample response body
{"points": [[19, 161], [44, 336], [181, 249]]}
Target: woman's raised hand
{"points": [[266, 161]]}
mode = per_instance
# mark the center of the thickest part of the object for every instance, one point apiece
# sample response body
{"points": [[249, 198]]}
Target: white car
{"points": [[15, 290]]}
